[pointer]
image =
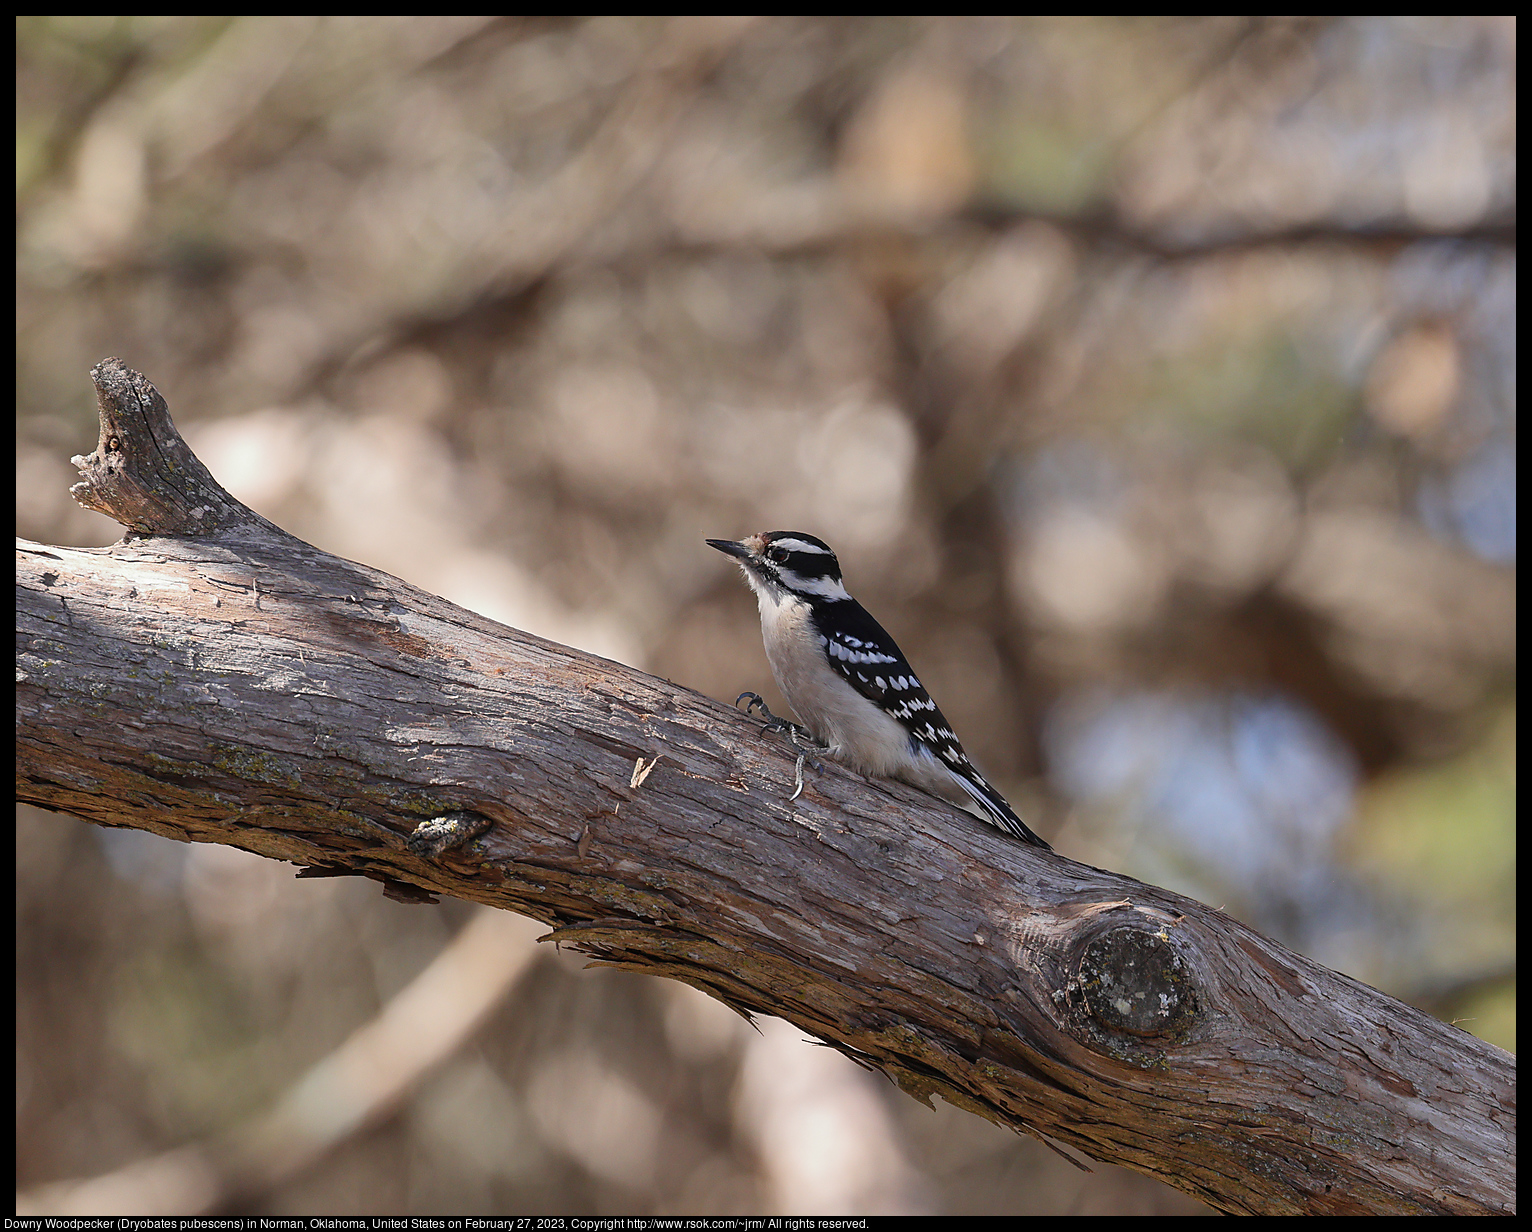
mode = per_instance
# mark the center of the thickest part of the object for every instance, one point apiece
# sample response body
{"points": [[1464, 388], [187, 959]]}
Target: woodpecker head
{"points": [[787, 562]]}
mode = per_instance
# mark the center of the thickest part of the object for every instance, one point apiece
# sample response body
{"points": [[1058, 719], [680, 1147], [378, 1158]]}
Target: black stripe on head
{"points": [[795, 552]]}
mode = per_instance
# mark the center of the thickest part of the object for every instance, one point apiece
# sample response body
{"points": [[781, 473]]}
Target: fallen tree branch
{"points": [[214, 679]]}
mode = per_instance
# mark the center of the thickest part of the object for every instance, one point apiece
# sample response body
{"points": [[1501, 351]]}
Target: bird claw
{"points": [[798, 777], [755, 700], [797, 736]]}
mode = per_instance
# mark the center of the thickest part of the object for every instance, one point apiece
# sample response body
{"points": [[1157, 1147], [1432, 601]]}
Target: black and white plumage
{"points": [[849, 682]]}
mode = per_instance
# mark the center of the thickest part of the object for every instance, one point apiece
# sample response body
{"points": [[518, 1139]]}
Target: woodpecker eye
{"points": [[777, 555]]}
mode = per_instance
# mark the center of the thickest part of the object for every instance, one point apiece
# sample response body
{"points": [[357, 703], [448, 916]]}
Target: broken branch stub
{"points": [[142, 473]]}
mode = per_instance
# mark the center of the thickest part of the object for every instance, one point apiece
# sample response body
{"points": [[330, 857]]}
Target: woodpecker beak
{"points": [[731, 548]]}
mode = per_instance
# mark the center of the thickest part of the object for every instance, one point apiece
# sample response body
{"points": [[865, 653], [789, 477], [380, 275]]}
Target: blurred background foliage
{"points": [[1154, 378]]}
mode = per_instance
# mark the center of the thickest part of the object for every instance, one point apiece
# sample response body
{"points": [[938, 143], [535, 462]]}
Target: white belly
{"points": [[859, 734]]}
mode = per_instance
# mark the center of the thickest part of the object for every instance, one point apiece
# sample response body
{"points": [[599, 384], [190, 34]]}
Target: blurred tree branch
{"points": [[354, 1088], [214, 679]]}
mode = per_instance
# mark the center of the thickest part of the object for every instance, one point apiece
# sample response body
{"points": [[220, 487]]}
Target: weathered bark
{"points": [[233, 684]]}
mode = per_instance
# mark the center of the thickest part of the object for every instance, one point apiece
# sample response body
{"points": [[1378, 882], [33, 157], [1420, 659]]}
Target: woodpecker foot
{"points": [[797, 736], [798, 777]]}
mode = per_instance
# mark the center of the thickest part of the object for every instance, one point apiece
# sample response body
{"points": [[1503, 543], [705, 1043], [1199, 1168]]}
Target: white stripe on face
{"points": [[821, 587], [799, 545]]}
